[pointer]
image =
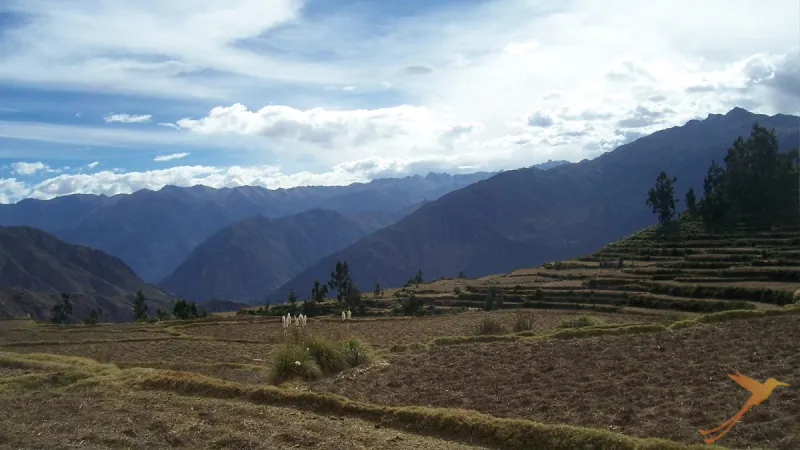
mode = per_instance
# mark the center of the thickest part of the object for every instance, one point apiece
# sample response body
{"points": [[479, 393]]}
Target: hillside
{"points": [[154, 231], [252, 257], [36, 267], [689, 270], [525, 217]]}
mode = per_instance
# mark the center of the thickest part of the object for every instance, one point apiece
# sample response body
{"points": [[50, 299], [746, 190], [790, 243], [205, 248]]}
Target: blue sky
{"points": [[111, 96]]}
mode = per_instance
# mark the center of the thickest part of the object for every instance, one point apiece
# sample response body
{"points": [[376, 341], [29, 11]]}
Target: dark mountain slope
{"points": [[154, 231], [35, 268], [525, 217], [250, 258]]}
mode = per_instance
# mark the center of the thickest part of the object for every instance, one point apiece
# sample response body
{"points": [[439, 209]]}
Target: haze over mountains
{"points": [[523, 218], [250, 258], [243, 243], [155, 231], [36, 268]]}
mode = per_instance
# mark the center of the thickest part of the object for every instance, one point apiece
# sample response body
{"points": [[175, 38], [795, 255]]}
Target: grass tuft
{"points": [[314, 357], [524, 321], [489, 325], [580, 322], [294, 361]]}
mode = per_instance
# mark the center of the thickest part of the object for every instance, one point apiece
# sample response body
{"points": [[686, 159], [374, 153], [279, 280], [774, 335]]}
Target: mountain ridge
{"points": [[524, 217], [36, 268], [251, 257]]}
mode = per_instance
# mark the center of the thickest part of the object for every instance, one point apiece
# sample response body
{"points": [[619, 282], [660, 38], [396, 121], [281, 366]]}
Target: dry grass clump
{"points": [[579, 322], [524, 321], [314, 357], [489, 325]]}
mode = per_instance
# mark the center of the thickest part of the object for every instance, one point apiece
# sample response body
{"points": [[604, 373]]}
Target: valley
{"points": [[626, 346]]}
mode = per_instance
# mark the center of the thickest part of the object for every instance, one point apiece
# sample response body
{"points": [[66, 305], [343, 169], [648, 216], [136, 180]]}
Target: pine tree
{"points": [[661, 198], [92, 319], [60, 311], [139, 307], [691, 200]]}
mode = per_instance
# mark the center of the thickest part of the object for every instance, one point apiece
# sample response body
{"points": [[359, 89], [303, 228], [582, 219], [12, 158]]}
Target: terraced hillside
{"points": [[686, 269]]}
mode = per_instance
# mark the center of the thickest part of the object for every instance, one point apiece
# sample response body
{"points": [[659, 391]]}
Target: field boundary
{"points": [[618, 329]]}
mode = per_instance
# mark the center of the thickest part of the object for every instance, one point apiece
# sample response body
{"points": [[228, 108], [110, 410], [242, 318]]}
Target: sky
{"points": [[113, 96]]}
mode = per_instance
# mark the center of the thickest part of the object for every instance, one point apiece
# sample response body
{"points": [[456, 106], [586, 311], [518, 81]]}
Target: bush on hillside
{"points": [[524, 321], [579, 322], [314, 357], [490, 325]]}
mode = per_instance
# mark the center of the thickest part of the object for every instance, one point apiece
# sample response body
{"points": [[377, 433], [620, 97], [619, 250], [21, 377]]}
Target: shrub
{"points": [[356, 352], [579, 322], [294, 361], [490, 325], [330, 357], [523, 321], [314, 357]]}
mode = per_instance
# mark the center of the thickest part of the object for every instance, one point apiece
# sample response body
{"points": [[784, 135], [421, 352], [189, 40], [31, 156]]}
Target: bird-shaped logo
{"points": [[760, 392]]}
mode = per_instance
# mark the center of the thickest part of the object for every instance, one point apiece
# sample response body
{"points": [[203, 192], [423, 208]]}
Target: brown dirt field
{"points": [[98, 419], [49, 334], [387, 332], [174, 351], [748, 284], [656, 384]]}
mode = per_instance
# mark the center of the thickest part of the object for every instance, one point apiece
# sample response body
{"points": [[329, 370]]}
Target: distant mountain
{"points": [[250, 258], [550, 164], [154, 231], [525, 217], [36, 267]]}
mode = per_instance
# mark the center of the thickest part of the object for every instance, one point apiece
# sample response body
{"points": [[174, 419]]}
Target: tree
{"points": [[661, 198], [340, 280], [757, 182], [161, 314], [418, 278], [378, 291], [461, 275], [60, 312], [691, 200], [714, 201], [318, 292], [139, 306], [351, 294], [92, 319], [292, 300], [184, 310]]}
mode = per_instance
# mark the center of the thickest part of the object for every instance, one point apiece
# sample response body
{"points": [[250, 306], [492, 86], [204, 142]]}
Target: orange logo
{"points": [[760, 393]]}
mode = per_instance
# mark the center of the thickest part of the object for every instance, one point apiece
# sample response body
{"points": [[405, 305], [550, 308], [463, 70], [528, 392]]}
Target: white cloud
{"points": [[93, 164], [493, 85], [174, 156], [127, 118], [29, 168]]}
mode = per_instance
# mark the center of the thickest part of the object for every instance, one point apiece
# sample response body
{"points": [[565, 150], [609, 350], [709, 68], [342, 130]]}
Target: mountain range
{"points": [[36, 268], [241, 243], [250, 258], [155, 231], [525, 217]]}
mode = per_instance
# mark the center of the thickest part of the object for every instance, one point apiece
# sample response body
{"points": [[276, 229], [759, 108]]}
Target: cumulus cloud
{"points": [[29, 168], [489, 85], [171, 157], [539, 119], [127, 118]]}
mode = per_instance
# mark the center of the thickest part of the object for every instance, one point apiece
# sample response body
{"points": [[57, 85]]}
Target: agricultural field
{"points": [[589, 354], [687, 269]]}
